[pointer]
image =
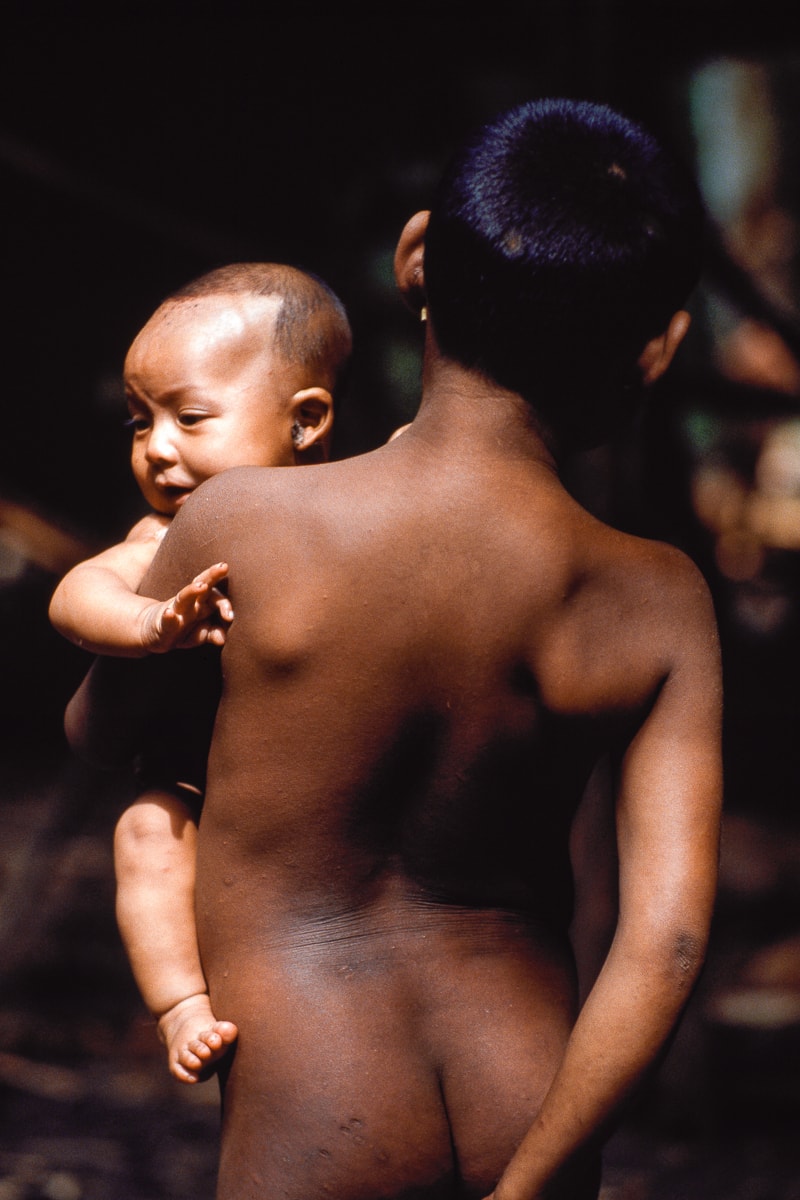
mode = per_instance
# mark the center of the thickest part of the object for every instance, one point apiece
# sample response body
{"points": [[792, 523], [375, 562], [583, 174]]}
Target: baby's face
{"points": [[205, 393]]}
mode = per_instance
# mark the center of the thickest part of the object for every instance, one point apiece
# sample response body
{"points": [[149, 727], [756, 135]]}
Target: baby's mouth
{"points": [[176, 495]]}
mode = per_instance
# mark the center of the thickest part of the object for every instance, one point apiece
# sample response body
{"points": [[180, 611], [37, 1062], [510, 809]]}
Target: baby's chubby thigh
{"points": [[332, 1091]]}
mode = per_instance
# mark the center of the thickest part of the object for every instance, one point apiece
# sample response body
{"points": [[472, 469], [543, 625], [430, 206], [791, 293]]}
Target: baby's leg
{"points": [[154, 854]]}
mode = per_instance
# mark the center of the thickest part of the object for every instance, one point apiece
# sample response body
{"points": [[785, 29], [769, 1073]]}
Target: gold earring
{"points": [[423, 313]]}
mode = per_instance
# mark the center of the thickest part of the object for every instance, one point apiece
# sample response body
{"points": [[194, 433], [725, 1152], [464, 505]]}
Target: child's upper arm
{"points": [[132, 558], [668, 810], [129, 560]]}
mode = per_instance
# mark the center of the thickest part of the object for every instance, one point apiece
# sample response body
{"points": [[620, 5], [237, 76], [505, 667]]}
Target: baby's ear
{"points": [[312, 424], [409, 262], [660, 351]]}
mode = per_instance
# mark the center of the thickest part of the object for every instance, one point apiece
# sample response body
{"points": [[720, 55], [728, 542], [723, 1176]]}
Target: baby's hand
{"points": [[192, 618]]}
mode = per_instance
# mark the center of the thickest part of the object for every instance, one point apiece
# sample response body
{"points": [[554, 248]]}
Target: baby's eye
{"points": [[187, 419], [137, 423]]}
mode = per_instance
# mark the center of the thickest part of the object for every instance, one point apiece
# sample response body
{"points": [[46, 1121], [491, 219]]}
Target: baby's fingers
{"points": [[199, 596], [212, 575], [223, 605]]}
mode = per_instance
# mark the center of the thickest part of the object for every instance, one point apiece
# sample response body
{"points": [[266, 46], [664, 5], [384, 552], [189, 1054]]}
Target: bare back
{"points": [[417, 684]]}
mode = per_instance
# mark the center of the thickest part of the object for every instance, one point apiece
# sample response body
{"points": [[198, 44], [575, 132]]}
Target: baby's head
{"points": [[238, 368]]}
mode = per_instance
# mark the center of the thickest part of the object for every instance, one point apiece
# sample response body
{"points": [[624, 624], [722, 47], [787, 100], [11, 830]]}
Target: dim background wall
{"points": [[143, 143]]}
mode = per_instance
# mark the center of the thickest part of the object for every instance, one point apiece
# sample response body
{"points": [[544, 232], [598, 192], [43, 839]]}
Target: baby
{"points": [[237, 368]]}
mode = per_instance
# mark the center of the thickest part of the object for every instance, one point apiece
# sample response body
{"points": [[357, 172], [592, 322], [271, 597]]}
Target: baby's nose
{"points": [[160, 445]]}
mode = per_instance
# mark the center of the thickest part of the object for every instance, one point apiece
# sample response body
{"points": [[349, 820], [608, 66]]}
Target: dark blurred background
{"points": [[144, 143]]}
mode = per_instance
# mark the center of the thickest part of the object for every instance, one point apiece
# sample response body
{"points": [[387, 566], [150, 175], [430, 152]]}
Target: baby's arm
{"points": [[154, 858], [97, 607]]}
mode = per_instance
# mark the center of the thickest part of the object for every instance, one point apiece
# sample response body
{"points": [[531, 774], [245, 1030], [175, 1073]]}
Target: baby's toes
{"points": [[185, 1074], [212, 1039], [194, 1054]]}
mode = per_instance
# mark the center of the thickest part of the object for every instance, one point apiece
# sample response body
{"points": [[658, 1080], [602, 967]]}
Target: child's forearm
{"points": [[96, 604], [98, 607], [620, 1034], [100, 612]]}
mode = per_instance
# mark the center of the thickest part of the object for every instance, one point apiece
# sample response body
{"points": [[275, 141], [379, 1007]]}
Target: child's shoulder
{"points": [[651, 600], [654, 566], [642, 574], [630, 611], [238, 489]]}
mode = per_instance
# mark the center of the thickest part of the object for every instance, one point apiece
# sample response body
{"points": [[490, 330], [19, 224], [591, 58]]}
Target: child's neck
{"points": [[466, 409]]}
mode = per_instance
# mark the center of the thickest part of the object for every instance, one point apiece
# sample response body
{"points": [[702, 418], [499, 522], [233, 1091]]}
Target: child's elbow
{"points": [[670, 954], [688, 953]]}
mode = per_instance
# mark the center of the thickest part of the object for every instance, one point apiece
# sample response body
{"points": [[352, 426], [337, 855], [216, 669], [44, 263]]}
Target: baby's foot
{"points": [[194, 1038]]}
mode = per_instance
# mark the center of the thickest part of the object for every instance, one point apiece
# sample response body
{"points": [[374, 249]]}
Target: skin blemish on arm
{"points": [[688, 954]]}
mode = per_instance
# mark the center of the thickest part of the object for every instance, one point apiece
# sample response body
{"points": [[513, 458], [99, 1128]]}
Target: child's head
{"points": [[238, 368], [561, 241]]}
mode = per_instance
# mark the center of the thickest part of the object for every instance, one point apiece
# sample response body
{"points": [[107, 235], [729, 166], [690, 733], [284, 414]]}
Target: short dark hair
{"points": [[561, 240], [311, 327]]}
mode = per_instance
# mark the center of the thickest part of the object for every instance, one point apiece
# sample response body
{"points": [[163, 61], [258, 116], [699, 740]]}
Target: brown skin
{"points": [[433, 646]]}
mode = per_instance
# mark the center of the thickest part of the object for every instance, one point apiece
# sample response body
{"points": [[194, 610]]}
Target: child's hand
{"points": [[192, 618]]}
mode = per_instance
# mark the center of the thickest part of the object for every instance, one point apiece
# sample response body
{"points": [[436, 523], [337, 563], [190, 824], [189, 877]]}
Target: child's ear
{"points": [[409, 262], [312, 424], [660, 351]]}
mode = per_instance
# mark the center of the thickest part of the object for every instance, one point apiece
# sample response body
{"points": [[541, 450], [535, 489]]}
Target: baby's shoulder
{"points": [[151, 528]]}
